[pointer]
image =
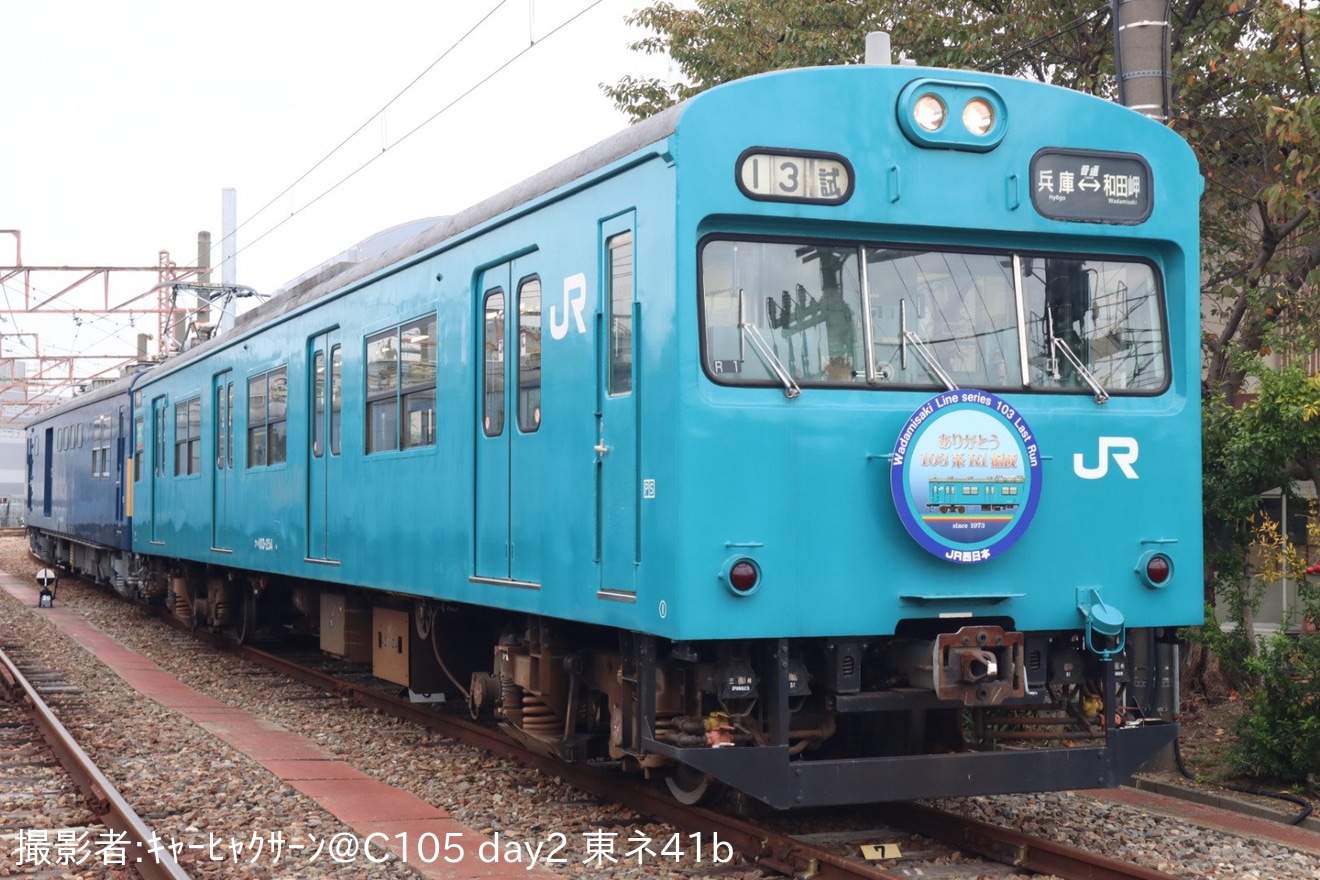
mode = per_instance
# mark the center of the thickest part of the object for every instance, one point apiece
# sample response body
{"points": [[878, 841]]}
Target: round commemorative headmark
{"points": [[965, 475]]}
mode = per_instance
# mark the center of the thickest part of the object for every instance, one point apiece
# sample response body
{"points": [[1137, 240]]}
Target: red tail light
{"points": [[744, 575]]}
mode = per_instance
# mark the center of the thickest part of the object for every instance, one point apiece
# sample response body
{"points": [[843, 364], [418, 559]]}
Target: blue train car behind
{"points": [[78, 473], [642, 455]]}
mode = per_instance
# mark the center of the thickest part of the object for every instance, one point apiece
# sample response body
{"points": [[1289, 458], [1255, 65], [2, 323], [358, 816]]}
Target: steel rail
{"points": [[1014, 848], [153, 860], [771, 850], [760, 846], [768, 849]]}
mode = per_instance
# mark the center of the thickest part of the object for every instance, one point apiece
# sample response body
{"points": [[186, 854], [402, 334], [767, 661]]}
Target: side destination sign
{"points": [[965, 476], [1091, 187]]}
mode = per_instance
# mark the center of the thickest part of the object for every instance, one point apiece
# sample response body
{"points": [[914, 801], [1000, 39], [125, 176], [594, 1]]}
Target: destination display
{"points": [[1091, 187]]}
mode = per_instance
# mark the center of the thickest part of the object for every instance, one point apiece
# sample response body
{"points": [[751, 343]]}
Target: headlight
{"points": [[929, 112], [978, 116], [925, 105]]}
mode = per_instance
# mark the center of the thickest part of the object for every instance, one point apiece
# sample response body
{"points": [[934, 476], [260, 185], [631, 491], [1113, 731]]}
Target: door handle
{"points": [[601, 448]]}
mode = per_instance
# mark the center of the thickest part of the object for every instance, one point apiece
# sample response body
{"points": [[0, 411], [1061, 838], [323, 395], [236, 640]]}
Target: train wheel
{"points": [[692, 787], [246, 628]]}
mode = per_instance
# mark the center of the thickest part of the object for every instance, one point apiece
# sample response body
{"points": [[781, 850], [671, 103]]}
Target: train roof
{"points": [[362, 260], [334, 277], [122, 385], [397, 245]]}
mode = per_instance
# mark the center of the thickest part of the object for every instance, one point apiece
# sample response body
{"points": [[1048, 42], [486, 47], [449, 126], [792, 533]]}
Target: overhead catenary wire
{"points": [[106, 323], [377, 115], [532, 44]]}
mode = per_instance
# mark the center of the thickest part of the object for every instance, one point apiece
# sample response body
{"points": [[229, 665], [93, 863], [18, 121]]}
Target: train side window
{"points": [[96, 448], [401, 367], [160, 411], [222, 415], [529, 355], [492, 381], [382, 391], [277, 428], [318, 404], [336, 395], [417, 363], [139, 447], [256, 445], [101, 447], [620, 317], [229, 424], [188, 437], [268, 413]]}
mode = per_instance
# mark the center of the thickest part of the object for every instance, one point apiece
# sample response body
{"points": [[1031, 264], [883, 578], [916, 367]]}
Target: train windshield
{"points": [[812, 314]]}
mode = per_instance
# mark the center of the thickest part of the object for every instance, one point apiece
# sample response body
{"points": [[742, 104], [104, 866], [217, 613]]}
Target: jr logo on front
{"points": [[1123, 451]]}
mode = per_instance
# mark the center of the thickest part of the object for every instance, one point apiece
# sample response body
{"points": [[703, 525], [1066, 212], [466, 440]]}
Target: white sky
{"points": [[123, 122]]}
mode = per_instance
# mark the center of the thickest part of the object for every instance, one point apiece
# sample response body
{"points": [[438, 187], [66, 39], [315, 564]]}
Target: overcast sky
{"points": [[124, 121]]}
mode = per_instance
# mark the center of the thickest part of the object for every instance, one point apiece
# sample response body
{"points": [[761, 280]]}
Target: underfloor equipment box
{"points": [[345, 628], [389, 646]]}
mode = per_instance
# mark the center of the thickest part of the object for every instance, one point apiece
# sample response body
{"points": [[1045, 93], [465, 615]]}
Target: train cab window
{"points": [[529, 355], [268, 418], [934, 311], [1107, 313], [401, 370], [772, 307], [188, 437], [492, 375], [899, 317]]}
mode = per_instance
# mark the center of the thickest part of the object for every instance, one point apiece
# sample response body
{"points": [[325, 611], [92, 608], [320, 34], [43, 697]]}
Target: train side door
{"points": [[491, 499], [48, 471], [121, 484], [31, 467], [618, 518], [506, 516], [159, 419], [325, 398], [222, 398]]}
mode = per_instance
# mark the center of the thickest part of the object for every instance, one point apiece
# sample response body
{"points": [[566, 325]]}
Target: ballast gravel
{"points": [[228, 814]]}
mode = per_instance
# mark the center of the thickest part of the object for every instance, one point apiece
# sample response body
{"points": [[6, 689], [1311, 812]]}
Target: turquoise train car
{"points": [[636, 456]]}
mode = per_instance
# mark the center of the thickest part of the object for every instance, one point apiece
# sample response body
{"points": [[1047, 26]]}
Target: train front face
{"points": [[945, 429]]}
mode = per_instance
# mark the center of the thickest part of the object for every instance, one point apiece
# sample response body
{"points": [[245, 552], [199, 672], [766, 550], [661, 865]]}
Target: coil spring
{"points": [[538, 716], [511, 700]]}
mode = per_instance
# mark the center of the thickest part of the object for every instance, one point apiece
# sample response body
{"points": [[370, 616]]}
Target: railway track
{"points": [[759, 844], [813, 848], [41, 764]]}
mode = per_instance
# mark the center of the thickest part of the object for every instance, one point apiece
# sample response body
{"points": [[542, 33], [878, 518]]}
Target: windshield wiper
{"points": [[770, 359], [926, 356], [1058, 345]]}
